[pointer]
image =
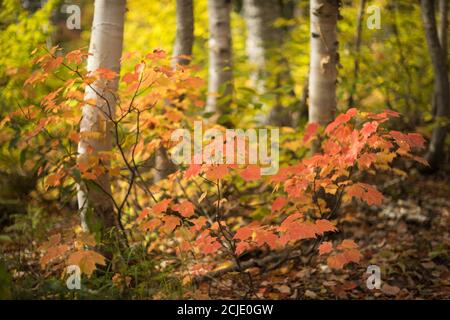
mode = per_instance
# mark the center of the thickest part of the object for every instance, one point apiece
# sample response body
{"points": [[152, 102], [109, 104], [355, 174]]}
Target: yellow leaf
{"points": [[86, 260]]}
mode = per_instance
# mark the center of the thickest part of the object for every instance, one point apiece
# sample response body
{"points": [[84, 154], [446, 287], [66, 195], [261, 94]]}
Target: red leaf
{"points": [[192, 171], [144, 214], [325, 247], [365, 192], [252, 172], [186, 208], [341, 119], [310, 130], [278, 204], [348, 244], [216, 172], [161, 206], [170, 223], [369, 128], [325, 226]]}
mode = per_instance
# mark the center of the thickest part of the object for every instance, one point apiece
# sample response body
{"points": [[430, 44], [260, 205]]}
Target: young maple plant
{"points": [[154, 99], [310, 194]]}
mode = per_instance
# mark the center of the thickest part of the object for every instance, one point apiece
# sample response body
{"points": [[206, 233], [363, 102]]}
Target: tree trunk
{"points": [[105, 49], [441, 84], [184, 40], [358, 39], [443, 27], [220, 58], [264, 47], [324, 59]]}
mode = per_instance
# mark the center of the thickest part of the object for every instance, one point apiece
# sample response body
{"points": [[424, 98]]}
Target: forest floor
{"points": [[408, 238]]}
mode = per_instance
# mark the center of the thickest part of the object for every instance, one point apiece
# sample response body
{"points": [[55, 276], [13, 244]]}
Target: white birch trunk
{"points": [[324, 58], [105, 49], [220, 58]]}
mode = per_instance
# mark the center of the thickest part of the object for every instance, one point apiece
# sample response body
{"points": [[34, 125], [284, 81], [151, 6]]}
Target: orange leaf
{"points": [[86, 260], [170, 223], [252, 172], [186, 208], [278, 204], [161, 206], [325, 247]]}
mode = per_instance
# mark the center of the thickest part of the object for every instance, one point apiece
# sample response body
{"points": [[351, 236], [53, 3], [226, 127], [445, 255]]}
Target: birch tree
{"points": [[323, 60], [220, 58], [264, 46], [441, 82], [184, 40], [96, 123]]}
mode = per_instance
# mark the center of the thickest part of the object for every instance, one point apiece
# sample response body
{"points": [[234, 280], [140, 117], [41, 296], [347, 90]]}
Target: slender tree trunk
{"points": [[184, 38], [105, 49], [443, 27], [220, 58], [182, 51], [358, 39], [264, 47], [324, 59], [441, 84]]}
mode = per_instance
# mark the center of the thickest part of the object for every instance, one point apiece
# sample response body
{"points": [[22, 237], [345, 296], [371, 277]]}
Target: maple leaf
{"points": [[323, 226], [76, 56], [241, 247], [325, 247], [285, 225], [145, 212], [170, 223], [278, 204], [252, 172], [352, 255], [369, 128], [348, 244], [365, 192], [86, 260], [416, 140], [216, 172], [246, 232], [310, 130], [161, 206], [105, 74], [151, 225], [264, 236], [186, 208], [192, 171], [199, 223], [366, 160], [336, 261], [341, 119], [130, 77]]}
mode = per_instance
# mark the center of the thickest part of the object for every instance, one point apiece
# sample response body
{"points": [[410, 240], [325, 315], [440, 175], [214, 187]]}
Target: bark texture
{"points": [[441, 84], [96, 126], [220, 58], [324, 59], [184, 38]]}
